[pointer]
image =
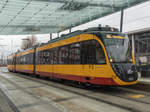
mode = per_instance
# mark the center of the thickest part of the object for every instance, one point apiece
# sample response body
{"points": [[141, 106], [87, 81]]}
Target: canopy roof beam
{"points": [[86, 3]]}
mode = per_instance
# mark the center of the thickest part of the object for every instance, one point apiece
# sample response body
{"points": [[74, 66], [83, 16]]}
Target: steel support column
{"points": [[58, 35], [121, 20], [50, 36], [70, 30], [133, 45]]}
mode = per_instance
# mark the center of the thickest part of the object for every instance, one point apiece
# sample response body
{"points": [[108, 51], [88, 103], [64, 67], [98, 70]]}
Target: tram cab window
{"points": [[92, 53]]}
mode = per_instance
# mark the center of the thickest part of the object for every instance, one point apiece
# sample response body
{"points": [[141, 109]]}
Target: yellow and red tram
{"points": [[100, 55]]}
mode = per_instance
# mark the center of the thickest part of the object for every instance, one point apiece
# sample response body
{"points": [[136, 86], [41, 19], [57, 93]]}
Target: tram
{"points": [[99, 55]]}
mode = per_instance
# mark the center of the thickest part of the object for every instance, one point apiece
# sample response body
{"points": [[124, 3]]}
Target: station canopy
{"points": [[51, 16]]}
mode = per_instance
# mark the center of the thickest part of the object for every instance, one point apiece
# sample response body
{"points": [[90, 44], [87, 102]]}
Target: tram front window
{"points": [[118, 48]]}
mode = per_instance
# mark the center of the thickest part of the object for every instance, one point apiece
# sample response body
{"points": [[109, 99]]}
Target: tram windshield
{"points": [[118, 48]]}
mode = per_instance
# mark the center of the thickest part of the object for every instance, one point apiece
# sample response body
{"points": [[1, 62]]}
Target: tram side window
{"points": [[13, 61], [100, 56], [63, 55], [17, 60], [38, 57], [9, 62], [92, 53], [29, 58], [88, 52], [74, 54], [46, 57], [41, 57], [50, 56], [25, 59], [55, 56], [20, 60]]}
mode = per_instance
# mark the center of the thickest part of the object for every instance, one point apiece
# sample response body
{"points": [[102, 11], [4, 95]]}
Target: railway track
{"points": [[99, 94]]}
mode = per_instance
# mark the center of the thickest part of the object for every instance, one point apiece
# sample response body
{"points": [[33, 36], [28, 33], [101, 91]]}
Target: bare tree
{"points": [[29, 42]]}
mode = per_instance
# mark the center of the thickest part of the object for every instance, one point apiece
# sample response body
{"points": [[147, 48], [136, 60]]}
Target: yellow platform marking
{"points": [[137, 96]]}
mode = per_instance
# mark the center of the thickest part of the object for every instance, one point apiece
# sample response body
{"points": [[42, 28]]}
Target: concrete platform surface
{"points": [[5, 103], [31, 96], [16, 96], [145, 80]]}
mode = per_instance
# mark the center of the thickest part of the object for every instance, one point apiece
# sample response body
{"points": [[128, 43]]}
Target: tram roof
{"points": [[75, 33], [50, 16]]}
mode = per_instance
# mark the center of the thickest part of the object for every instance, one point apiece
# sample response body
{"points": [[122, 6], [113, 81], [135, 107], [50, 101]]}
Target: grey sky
{"points": [[135, 18]]}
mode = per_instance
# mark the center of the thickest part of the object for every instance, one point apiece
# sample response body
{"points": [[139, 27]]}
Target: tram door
{"points": [[92, 58], [14, 63], [87, 60]]}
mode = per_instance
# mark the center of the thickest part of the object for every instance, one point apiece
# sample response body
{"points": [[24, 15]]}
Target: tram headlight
{"points": [[111, 60]]}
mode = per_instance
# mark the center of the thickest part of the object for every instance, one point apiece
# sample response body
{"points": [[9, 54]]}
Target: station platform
{"points": [[142, 85], [145, 80]]}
